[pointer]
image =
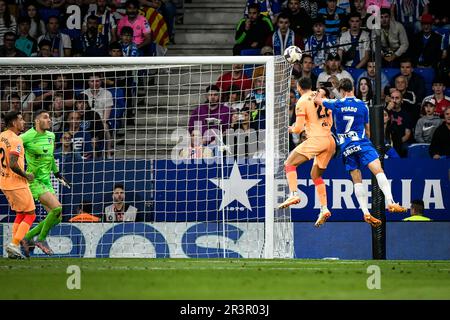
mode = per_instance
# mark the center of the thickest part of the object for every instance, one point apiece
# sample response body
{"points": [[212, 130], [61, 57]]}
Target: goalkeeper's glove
{"points": [[62, 180]]}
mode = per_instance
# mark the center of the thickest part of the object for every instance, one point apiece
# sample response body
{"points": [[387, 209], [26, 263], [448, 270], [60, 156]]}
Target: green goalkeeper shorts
{"points": [[38, 188]]}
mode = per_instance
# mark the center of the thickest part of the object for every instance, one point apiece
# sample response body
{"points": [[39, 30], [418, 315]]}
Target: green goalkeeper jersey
{"points": [[39, 148]]}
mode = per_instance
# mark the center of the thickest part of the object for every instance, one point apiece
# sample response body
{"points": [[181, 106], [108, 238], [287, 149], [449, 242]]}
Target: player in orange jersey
{"points": [[320, 145], [14, 181]]}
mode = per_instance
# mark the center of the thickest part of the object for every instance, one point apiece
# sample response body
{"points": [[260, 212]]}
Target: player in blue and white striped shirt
{"points": [[351, 117]]}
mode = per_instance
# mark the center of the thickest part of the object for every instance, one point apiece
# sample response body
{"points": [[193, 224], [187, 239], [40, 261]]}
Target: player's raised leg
{"points": [[316, 176], [362, 197], [377, 170], [293, 161]]}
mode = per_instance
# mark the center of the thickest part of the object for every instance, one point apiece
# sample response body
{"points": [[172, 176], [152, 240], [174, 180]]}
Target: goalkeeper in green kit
{"points": [[39, 144]]}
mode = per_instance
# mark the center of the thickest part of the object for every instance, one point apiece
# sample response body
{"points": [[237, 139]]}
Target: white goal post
{"points": [[176, 85]]}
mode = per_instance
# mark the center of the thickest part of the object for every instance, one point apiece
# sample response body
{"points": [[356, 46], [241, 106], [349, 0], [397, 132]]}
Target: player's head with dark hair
{"points": [[304, 83], [345, 85], [11, 117], [42, 120], [417, 207], [118, 193]]}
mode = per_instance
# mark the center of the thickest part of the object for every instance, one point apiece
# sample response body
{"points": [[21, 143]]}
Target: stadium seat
{"points": [[355, 73], [251, 52], [390, 72], [428, 75], [447, 92], [418, 150]]}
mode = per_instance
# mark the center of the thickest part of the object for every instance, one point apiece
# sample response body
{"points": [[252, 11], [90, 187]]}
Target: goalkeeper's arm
{"points": [[61, 179]]}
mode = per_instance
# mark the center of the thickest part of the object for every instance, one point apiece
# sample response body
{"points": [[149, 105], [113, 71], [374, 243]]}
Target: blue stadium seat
{"points": [[447, 92], [248, 70], [428, 75], [355, 73], [251, 52], [390, 72], [418, 150]]}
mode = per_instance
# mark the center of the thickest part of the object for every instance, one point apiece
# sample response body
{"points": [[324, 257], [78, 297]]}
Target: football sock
{"points": [[321, 191], [23, 228], [17, 221], [361, 195], [291, 176], [52, 219], [384, 185]]}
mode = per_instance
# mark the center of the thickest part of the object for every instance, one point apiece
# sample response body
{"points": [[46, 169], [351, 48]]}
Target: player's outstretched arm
{"points": [[61, 179], [14, 165]]}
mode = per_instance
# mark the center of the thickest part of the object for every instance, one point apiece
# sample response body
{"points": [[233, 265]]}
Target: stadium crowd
{"points": [[338, 43]]}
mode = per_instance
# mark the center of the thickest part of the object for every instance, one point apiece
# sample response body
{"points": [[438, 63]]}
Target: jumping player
{"points": [[39, 147], [352, 129], [319, 145], [14, 181]]}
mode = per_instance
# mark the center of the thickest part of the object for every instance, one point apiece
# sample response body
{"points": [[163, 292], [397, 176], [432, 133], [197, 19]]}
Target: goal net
{"points": [[167, 157]]}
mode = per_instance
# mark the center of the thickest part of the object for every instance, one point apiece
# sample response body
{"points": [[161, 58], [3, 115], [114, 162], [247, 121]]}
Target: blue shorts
{"points": [[359, 154]]}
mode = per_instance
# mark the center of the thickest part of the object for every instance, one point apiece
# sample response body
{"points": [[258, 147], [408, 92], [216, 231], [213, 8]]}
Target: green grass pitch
{"points": [[211, 279]]}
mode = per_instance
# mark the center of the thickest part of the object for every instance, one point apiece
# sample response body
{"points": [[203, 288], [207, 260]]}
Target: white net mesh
{"points": [[165, 167]]}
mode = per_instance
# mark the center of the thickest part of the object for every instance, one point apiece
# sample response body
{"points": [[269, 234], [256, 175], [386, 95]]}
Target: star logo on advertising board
{"points": [[235, 188]]}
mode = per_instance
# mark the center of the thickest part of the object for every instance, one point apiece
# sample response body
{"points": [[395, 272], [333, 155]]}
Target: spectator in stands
{"points": [[196, 148], [50, 8], [388, 149], [158, 24], [45, 49], [355, 44], [365, 91], [23, 89], [101, 101], [410, 103], [268, 8], [107, 25], [318, 45], [334, 17], [115, 50], [417, 208], [63, 84], [92, 123], [61, 43], [92, 43], [168, 10], [233, 98], [258, 93], [120, 211], [300, 20], [283, 36], [81, 140], [241, 125], [14, 103], [440, 143], [267, 51], [359, 6], [252, 31], [57, 113], [306, 67], [142, 34], [8, 49], [201, 117], [401, 127], [236, 77], [43, 92], [428, 123], [416, 83], [37, 26], [129, 48], [64, 151], [24, 42], [394, 40], [333, 68], [7, 21], [427, 44], [256, 114], [408, 13], [370, 73], [441, 100], [311, 7]]}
